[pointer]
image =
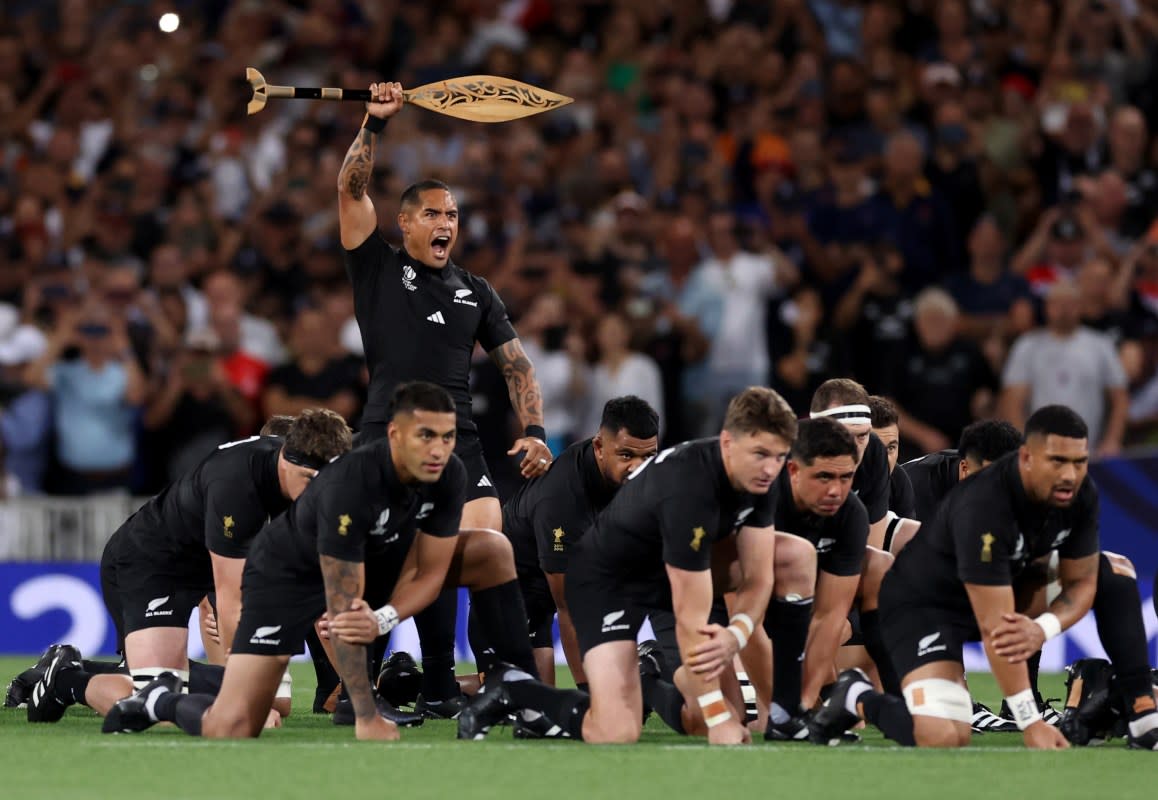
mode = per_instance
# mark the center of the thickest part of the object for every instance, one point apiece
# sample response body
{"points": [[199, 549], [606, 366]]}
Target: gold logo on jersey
{"points": [[987, 540], [698, 535], [559, 534], [344, 524], [228, 523]]}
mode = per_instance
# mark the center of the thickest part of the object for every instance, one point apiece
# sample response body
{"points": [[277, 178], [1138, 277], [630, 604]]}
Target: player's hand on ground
{"points": [[273, 720], [375, 728], [537, 456], [1043, 736], [1017, 638], [710, 658], [729, 733], [358, 625], [387, 99]]}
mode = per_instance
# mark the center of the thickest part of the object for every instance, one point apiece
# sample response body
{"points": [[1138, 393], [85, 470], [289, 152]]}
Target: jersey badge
{"points": [[460, 297], [344, 524], [408, 276], [558, 534], [987, 540], [698, 535], [227, 523]]}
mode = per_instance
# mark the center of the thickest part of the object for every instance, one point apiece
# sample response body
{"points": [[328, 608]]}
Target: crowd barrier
{"points": [[50, 587]]}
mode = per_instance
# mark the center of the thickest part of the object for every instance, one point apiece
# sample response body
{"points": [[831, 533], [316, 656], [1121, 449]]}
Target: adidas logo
{"points": [[436, 317], [484, 481], [262, 634], [156, 603]]}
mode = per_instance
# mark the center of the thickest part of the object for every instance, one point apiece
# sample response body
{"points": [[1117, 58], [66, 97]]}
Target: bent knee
{"points": [[939, 733], [795, 565], [621, 730]]}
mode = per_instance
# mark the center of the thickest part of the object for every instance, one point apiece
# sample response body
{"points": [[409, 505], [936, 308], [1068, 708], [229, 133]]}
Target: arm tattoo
{"points": [[343, 581], [519, 374], [359, 163]]}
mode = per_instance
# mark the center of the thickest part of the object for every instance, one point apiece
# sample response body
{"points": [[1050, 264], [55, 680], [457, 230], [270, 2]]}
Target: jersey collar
{"points": [[599, 490], [419, 266]]}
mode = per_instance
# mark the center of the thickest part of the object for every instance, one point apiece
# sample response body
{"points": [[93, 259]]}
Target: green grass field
{"points": [[310, 758]]}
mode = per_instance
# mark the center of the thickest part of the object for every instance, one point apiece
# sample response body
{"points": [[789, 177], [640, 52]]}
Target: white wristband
{"points": [[745, 620], [387, 619], [1023, 707], [741, 636], [1050, 625], [715, 709]]}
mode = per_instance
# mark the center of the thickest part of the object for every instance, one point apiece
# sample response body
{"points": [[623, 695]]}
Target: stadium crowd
{"points": [[950, 201]]}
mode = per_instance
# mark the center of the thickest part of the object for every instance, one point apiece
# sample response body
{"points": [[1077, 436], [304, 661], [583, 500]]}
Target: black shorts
{"points": [[540, 607], [601, 611], [915, 635], [467, 447], [138, 594], [276, 616], [663, 626]]}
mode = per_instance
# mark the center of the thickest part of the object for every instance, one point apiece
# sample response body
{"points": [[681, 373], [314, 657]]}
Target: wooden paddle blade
{"points": [[257, 81], [485, 98]]}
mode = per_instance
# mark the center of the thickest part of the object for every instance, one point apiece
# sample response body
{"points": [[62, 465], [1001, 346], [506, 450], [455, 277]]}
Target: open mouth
{"points": [[1063, 493], [440, 247]]}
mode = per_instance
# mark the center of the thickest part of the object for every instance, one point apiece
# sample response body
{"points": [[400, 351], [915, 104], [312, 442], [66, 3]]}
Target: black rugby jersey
{"points": [[986, 530], [932, 477], [871, 482], [549, 514], [420, 323], [219, 506], [902, 499], [840, 540], [671, 511], [358, 509]]}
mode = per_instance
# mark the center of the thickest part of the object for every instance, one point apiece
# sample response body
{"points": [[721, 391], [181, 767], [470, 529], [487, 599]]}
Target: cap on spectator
{"points": [[1066, 229], [941, 73], [628, 200], [203, 340], [19, 344]]}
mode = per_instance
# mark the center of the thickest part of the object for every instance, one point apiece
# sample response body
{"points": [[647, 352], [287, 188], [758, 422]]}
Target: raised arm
{"points": [[356, 216]]}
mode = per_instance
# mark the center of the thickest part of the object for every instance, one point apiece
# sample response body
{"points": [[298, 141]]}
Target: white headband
{"points": [[857, 414]]}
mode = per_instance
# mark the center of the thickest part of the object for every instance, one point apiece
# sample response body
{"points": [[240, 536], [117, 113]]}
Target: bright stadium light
{"points": [[169, 22]]}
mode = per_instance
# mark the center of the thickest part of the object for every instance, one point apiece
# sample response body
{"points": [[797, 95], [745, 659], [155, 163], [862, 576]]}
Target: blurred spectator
{"points": [[620, 370], [1059, 245], [193, 408], [1069, 364], [805, 348], [317, 374], [559, 355], [943, 382], [97, 393], [874, 314], [254, 336], [1127, 140], [25, 412]]}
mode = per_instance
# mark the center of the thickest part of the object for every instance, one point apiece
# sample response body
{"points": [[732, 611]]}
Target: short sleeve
{"points": [[1017, 368], [494, 328], [850, 529], [448, 496], [875, 491], [1084, 538], [367, 259], [688, 523], [902, 498], [558, 527], [983, 542], [234, 514], [343, 520]]}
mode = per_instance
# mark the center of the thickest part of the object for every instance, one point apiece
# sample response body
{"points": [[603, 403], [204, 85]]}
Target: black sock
{"points": [[187, 710], [870, 626], [104, 667], [435, 625], [375, 653], [889, 713], [565, 707], [664, 699], [584, 687], [165, 708], [1033, 667], [502, 622], [1118, 613], [324, 671], [205, 678], [484, 654], [787, 626], [71, 685]]}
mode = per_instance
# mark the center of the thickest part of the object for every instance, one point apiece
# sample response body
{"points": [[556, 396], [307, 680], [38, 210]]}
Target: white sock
{"points": [[1144, 724], [853, 696], [778, 714], [151, 702]]}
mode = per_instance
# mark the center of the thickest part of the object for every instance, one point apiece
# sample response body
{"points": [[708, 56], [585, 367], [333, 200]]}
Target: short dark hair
{"points": [[759, 409], [838, 392], [822, 437], [420, 396], [882, 411], [412, 194], [632, 414], [319, 434], [1057, 420], [988, 440], [277, 425]]}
